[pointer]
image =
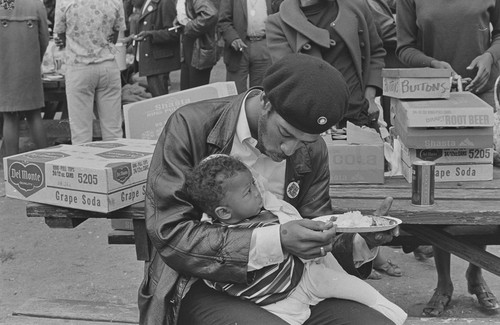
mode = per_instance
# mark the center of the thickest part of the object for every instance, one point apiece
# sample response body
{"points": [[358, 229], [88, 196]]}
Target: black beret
{"points": [[307, 92]]}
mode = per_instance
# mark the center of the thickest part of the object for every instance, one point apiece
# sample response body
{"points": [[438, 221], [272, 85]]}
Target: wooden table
{"points": [[465, 214]]}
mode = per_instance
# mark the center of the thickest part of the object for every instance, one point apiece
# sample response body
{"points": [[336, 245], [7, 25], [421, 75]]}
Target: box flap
{"points": [[358, 135], [416, 73]]}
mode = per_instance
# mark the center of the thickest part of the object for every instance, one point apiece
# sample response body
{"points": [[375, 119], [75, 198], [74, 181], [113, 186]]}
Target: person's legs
{"points": [[158, 84], [35, 123], [80, 89], [11, 133], [345, 312], [205, 306], [476, 285], [325, 278], [260, 60], [240, 76], [109, 101], [444, 291]]}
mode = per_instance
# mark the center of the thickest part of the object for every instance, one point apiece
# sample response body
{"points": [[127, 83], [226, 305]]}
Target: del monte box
{"points": [[97, 176]]}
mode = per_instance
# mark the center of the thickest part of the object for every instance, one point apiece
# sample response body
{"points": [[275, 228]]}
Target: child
{"points": [[224, 188]]}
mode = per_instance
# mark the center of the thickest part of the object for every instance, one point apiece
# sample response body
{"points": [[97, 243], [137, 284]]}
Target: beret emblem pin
{"points": [[322, 120]]}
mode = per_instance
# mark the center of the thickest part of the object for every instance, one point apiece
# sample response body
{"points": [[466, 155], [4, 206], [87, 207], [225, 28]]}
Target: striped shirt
{"points": [[271, 283]]}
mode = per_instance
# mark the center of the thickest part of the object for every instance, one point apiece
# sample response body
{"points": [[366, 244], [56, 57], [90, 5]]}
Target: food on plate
{"points": [[354, 219]]}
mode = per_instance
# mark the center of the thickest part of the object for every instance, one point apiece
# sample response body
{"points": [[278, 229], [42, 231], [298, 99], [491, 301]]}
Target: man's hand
{"points": [[142, 36], [305, 238], [60, 40], [113, 37], [238, 45], [374, 239]]}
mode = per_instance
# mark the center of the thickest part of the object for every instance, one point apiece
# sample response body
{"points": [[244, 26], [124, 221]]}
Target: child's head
{"points": [[224, 188]]}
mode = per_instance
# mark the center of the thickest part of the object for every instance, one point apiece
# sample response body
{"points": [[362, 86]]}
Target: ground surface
{"points": [[36, 261]]}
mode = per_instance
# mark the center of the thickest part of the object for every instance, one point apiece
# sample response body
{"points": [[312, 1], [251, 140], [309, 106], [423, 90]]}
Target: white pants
{"points": [[324, 278], [99, 83]]}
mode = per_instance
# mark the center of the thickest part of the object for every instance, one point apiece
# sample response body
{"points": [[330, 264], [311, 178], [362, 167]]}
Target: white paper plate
{"points": [[394, 222]]}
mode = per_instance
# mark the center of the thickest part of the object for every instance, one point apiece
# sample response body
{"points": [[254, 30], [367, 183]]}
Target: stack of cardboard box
{"points": [[453, 129]]}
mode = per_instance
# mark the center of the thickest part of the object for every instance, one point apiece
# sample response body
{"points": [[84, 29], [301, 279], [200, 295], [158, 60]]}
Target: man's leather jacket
{"points": [[182, 246]]}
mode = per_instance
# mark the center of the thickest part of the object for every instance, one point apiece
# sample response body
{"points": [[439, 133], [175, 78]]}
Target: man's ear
{"points": [[266, 104], [223, 213]]}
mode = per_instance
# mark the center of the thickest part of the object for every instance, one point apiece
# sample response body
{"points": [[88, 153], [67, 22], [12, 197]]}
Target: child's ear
{"points": [[223, 213]]}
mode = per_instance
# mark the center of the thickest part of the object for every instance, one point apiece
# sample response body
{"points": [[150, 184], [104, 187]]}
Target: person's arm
{"points": [[377, 55], [161, 32], [60, 25], [484, 62], [206, 16], [226, 26], [407, 33], [173, 224]]}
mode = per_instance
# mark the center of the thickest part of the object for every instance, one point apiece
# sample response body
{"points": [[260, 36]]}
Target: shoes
{"points": [[422, 253], [486, 299], [389, 268], [375, 275], [435, 307]]}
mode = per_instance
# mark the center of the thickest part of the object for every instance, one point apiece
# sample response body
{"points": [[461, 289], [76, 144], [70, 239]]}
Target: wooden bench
{"points": [[37, 311]]}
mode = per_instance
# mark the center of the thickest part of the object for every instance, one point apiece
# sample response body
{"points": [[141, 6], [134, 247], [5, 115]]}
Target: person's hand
{"points": [[60, 40], [483, 64], [374, 239], [112, 38], [142, 36], [306, 238], [238, 45], [442, 65]]}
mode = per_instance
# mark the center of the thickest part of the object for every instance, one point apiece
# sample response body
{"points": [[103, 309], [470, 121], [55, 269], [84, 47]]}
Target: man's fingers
{"points": [[384, 208]]}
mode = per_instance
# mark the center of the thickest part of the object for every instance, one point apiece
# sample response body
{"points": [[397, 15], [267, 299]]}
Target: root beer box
{"points": [[99, 176], [462, 121]]}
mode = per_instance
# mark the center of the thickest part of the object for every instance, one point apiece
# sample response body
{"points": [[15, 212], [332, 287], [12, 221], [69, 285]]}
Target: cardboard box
{"points": [[416, 83], [440, 138], [462, 109], [455, 172], [146, 119], [122, 224], [98, 176], [357, 160], [448, 155]]}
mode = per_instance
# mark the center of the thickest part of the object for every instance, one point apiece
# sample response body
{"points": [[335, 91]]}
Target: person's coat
{"points": [[289, 31], [233, 25], [160, 53]]}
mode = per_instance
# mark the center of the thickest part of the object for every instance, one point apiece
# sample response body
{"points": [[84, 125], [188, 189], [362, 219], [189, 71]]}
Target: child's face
{"points": [[242, 197]]}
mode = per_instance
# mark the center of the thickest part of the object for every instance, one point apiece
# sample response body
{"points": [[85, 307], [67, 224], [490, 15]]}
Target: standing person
{"points": [[24, 36], [88, 29], [453, 35], [158, 47], [275, 130], [242, 26], [344, 34], [198, 19], [225, 189]]}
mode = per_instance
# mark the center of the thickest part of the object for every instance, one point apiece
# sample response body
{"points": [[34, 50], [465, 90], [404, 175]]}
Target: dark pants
{"points": [[158, 84], [204, 306], [192, 77]]}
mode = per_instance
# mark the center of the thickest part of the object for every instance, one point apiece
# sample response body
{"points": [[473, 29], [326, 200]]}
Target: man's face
{"points": [[277, 138], [242, 197]]}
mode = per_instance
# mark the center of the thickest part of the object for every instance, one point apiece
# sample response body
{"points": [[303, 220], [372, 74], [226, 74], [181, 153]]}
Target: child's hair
{"points": [[205, 184]]}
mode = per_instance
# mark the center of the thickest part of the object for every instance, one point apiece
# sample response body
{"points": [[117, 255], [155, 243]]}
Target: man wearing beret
{"points": [[275, 130]]}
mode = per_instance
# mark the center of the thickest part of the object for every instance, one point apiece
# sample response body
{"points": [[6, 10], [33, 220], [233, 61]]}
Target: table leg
{"points": [[462, 249]]}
